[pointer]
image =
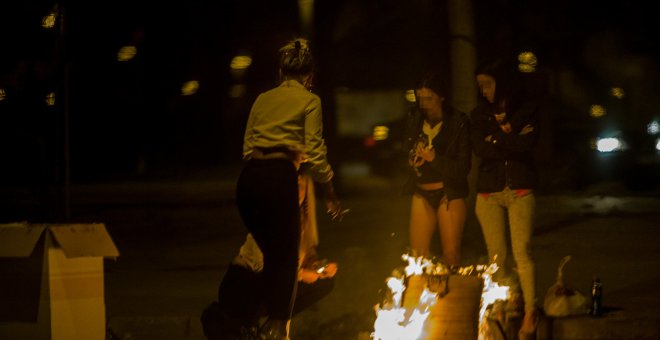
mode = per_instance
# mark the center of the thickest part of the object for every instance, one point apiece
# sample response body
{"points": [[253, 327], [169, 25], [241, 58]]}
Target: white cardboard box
{"points": [[51, 281]]}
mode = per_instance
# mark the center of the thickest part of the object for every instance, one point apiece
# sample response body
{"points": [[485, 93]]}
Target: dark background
{"points": [[115, 120]]}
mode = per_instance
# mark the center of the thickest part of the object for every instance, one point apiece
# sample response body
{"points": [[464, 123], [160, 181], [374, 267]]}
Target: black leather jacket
{"points": [[506, 160], [453, 154]]}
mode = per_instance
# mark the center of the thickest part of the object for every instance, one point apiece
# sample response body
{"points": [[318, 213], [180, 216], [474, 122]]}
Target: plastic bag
{"points": [[561, 300]]}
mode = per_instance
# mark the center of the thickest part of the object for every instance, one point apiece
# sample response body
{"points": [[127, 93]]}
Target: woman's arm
{"points": [[315, 147], [481, 134], [524, 131]]}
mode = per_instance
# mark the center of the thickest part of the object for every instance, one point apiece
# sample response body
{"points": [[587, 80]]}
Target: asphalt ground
{"points": [[177, 234]]}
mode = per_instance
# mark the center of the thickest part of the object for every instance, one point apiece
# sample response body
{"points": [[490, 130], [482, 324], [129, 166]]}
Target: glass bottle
{"points": [[596, 298]]}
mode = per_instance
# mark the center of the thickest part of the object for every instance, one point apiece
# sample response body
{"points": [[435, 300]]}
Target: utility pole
{"points": [[463, 54], [463, 63]]}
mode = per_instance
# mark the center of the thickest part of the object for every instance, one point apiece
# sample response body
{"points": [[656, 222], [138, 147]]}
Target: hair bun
{"points": [[296, 59]]}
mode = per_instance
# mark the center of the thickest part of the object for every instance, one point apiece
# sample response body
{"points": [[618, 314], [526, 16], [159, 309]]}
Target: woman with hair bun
{"points": [[283, 138]]}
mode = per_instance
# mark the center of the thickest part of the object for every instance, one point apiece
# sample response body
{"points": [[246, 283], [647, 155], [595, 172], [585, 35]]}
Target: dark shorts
{"points": [[434, 197]]}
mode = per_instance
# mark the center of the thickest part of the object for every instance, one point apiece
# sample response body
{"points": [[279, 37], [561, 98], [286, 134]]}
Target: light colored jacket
{"points": [[289, 116]]}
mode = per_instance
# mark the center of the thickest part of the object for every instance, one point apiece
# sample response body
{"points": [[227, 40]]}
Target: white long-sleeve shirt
{"points": [[289, 116]]}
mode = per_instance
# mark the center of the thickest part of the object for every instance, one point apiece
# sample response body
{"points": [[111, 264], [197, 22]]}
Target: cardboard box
{"points": [[51, 280]]}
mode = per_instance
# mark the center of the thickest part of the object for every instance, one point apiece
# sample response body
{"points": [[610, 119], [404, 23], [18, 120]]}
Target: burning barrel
{"points": [[454, 315]]}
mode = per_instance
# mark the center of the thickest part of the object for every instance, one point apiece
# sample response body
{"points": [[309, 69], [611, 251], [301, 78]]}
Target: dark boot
{"points": [[274, 330]]}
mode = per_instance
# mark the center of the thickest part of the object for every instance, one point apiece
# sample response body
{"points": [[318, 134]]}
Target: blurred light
{"points": [[653, 128], [527, 57], [48, 21], [608, 144], [597, 111], [369, 141], [410, 96], [189, 88], [50, 99], [237, 91], [240, 62], [126, 53], [381, 132], [657, 144], [617, 92], [525, 68], [3, 94], [527, 62]]}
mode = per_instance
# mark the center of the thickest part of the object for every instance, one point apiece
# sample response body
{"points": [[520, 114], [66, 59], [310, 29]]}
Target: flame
{"points": [[492, 292], [396, 322]]}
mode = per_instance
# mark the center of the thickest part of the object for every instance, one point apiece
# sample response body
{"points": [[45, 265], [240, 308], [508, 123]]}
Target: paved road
{"points": [[175, 248], [177, 236]]}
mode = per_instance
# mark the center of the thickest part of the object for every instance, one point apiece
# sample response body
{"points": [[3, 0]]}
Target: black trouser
{"points": [[267, 199]]}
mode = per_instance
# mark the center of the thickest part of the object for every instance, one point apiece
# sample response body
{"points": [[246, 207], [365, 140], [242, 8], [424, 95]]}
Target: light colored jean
{"points": [[492, 212]]}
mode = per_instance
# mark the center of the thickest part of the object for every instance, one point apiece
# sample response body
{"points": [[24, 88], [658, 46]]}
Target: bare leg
{"points": [[451, 215], [422, 225]]}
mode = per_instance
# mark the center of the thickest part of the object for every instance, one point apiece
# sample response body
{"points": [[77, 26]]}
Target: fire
{"points": [[397, 319], [396, 322], [492, 293]]}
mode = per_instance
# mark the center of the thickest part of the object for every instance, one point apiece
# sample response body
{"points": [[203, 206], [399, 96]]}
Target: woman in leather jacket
{"points": [[437, 138], [504, 132]]}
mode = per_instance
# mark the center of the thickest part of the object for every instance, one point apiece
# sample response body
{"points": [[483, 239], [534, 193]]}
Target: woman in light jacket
{"points": [[284, 130]]}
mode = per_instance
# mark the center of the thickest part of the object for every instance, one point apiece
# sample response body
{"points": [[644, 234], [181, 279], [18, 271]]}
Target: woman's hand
{"points": [[426, 153], [335, 210], [415, 161], [310, 276], [328, 271], [332, 202], [506, 127]]}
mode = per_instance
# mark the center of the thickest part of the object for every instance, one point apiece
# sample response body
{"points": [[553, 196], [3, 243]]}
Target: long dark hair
{"points": [[434, 82], [507, 80]]}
